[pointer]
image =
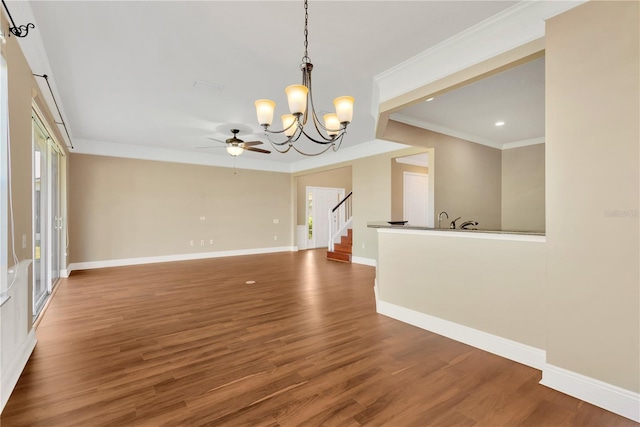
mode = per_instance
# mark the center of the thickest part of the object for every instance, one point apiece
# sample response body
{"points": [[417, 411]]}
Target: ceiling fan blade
{"points": [[252, 143], [209, 146], [217, 140], [257, 150]]}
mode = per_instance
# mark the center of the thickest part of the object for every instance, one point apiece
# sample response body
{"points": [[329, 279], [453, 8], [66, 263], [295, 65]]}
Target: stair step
{"points": [[346, 240], [338, 256], [350, 232], [340, 247]]}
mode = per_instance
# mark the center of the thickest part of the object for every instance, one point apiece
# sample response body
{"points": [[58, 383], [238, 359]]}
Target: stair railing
{"points": [[339, 220]]}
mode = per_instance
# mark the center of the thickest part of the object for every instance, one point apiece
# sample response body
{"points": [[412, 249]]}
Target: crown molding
{"points": [[444, 130], [366, 149], [507, 30], [143, 152], [421, 159], [523, 143]]}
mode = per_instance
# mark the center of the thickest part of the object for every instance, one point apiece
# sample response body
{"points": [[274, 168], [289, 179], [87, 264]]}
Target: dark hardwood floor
{"points": [[191, 343]]}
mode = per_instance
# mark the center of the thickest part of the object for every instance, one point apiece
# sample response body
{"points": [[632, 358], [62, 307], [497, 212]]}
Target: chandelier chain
{"points": [[305, 58], [329, 134]]}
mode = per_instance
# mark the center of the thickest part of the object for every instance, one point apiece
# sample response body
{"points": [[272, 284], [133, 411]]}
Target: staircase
{"points": [[342, 251], [340, 231]]}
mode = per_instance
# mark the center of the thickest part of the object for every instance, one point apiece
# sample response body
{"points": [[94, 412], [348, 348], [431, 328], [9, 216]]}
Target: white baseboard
{"points": [[503, 347], [64, 273], [169, 258], [365, 261], [11, 375], [604, 395]]}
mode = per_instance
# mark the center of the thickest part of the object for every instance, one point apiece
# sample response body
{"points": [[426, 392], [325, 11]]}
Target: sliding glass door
{"points": [[47, 218]]}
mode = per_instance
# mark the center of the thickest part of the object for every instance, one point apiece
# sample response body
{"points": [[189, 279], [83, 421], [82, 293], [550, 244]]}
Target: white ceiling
{"points": [[124, 71], [515, 97]]}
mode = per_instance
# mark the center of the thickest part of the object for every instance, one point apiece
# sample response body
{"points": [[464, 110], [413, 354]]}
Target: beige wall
{"points": [[334, 178], [523, 188], [467, 176], [126, 208], [397, 186], [592, 171], [490, 285]]}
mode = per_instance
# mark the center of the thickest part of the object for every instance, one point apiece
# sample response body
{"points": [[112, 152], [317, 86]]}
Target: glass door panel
{"points": [[40, 187], [55, 218]]}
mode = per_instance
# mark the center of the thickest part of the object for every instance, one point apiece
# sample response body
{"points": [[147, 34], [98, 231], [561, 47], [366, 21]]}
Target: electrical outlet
{"points": [[201, 242], [211, 242], [276, 221], [190, 242], [24, 241], [275, 237], [363, 246], [202, 218]]}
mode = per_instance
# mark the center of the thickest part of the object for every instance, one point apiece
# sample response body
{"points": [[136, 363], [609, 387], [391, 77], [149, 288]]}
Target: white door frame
{"points": [[322, 213], [431, 173], [406, 197]]}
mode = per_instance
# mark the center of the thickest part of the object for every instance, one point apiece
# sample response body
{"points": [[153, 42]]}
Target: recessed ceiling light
{"points": [[499, 123], [429, 99]]}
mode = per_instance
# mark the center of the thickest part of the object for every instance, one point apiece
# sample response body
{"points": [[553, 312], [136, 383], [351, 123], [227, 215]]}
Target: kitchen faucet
{"points": [[453, 223], [440, 217]]}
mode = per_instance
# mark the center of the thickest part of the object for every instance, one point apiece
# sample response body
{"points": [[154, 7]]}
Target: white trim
{"points": [[467, 234], [170, 258], [143, 152], [11, 375], [604, 395], [366, 149], [411, 121], [364, 261], [507, 30], [64, 273], [503, 347], [524, 143], [420, 159]]}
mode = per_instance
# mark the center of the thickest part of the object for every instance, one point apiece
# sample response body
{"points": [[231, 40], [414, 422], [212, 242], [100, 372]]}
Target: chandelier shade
{"points": [[332, 123], [302, 118], [265, 109], [288, 124], [344, 108], [297, 98]]}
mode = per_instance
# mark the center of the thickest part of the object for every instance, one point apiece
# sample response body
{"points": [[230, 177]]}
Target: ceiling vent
{"points": [[210, 87]]}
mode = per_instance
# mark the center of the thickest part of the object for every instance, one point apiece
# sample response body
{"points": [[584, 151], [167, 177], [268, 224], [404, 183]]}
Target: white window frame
{"points": [[4, 181]]}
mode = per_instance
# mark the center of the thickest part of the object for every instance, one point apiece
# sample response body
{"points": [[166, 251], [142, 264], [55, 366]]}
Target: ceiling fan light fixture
{"points": [[303, 117], [234, 150]]}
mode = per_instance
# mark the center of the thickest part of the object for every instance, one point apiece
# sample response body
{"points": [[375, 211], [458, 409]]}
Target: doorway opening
{"points": [[320, 200], [413, 189]]}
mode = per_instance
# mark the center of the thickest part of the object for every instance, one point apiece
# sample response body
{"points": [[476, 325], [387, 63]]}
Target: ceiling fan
{"points": [[235, 146]]}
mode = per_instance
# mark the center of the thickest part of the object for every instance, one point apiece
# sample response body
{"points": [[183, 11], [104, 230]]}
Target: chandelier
{"points": [[330, 131]]}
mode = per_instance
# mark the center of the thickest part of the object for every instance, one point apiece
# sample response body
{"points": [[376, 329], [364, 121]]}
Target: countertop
{"points": [[385, 224]]}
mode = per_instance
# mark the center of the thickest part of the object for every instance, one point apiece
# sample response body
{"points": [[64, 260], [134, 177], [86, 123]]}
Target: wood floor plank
{"points": [[192, 344]]}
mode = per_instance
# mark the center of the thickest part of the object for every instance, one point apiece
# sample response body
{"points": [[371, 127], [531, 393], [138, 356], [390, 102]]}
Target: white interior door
{"points": [[416, 198], [319, 201]]}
